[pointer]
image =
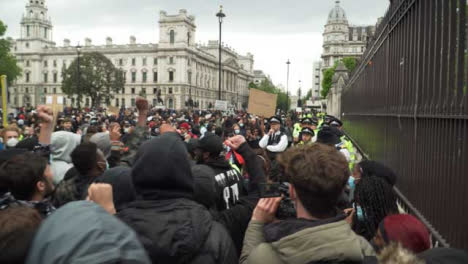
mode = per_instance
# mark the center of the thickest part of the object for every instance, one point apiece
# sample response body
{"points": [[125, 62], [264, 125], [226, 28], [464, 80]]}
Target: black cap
{"points": [[336, 122], [306, 120], [275, 119], [211, 143], [328, 136], [307, 130], [315, 121], [192, 144]]}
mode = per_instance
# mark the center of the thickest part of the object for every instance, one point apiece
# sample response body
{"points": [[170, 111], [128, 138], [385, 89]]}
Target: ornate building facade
{"points": [[340, 39], [170, 73]]}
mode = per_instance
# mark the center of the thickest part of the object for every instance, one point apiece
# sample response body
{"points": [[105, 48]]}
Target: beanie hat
{"points": [[407, 230]]}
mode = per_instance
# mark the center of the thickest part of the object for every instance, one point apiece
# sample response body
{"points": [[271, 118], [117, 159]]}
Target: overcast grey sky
{"points": [[272, 30]]}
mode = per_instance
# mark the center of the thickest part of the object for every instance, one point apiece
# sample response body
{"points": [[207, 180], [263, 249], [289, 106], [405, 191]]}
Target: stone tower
{"points": [[36, 28], [176, 30], [335, 35]]}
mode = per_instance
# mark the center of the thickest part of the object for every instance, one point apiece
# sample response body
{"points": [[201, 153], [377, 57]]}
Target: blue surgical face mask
{"points": [[359, 213], [237, 131], [351, 183]]}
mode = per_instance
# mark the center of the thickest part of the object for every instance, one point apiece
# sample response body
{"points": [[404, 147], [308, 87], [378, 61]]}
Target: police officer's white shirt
{"points": [[345, 153], [280, 147]]}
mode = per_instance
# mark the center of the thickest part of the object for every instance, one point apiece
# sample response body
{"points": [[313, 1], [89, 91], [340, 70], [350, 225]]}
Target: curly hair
{"points": [[318, 173]]}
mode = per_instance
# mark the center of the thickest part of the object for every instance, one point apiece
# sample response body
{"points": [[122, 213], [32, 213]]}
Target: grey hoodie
{"points": [[63, 143], [84, 233]]}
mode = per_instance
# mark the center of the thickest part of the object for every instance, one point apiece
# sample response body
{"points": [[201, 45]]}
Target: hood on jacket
{"points": [[172, 231], [122, 186], [219, 163], [63, 143], [162, 170], [205, 190], [103, 142], [444, 256], [83, 232], [323, 240]]}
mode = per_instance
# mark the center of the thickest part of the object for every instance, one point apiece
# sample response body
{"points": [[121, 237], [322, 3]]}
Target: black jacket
{"points": [[237, 217], [228, 183], [171, 226]]}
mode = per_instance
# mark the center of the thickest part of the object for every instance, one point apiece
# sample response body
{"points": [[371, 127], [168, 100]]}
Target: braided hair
{"points": [[377, 200]]}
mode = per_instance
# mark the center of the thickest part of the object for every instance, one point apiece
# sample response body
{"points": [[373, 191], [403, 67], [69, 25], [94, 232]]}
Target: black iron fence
{"points": [[406, 104]]}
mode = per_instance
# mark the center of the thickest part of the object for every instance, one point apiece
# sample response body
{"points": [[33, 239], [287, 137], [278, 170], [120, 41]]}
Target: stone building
{"points": [[169, 73], [341, 39]]}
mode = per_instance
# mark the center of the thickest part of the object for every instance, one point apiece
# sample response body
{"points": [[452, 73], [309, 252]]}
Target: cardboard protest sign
{"points": [[221, 105], [262, 103]]}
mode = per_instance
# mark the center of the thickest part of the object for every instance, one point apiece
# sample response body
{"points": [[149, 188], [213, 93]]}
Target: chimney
{"points": [[88, 42], [109, 41], [132, 40], [66, 43]]}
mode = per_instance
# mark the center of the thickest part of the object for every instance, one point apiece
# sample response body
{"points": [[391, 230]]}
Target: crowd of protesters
{"points": [[163, 186]]}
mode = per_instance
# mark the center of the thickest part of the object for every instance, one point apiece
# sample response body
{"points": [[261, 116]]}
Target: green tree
{"points": [[98, 78], [350, 64], [282, 99], [327, 81], [8, 62]]}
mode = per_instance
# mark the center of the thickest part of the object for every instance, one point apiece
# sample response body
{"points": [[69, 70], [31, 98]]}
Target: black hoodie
{"points": [[171, 226]]}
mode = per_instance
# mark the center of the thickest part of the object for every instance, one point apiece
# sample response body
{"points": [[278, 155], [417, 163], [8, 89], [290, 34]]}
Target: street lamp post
{"points": [[78, 50], [220, 16], [287, 86]]}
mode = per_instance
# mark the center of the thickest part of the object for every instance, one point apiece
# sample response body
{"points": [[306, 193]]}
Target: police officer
{"points": [[346, 143], [275, 141], [307, 135], [309, 123]]}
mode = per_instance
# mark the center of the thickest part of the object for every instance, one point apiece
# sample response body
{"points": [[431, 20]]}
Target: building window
{"points": [[45, 90], [155, 77], [171, 60], [26, 90], [123, 90], [123, 101], [171, 76], [155, 61], [133, 77], [45, 63], [28, 31], [133, 102], [55, 90], [169, 90], [120, 62], [27, 63], [55, 77], [55, 63], [45, 77], [87, 102], [188, 62], [27, 44], [144, 76], [155, 90], [143, 90], [155, 102], [133, 90], [144, 61], [116, 102], [27, 77], [133, 62], [172, 36]]}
